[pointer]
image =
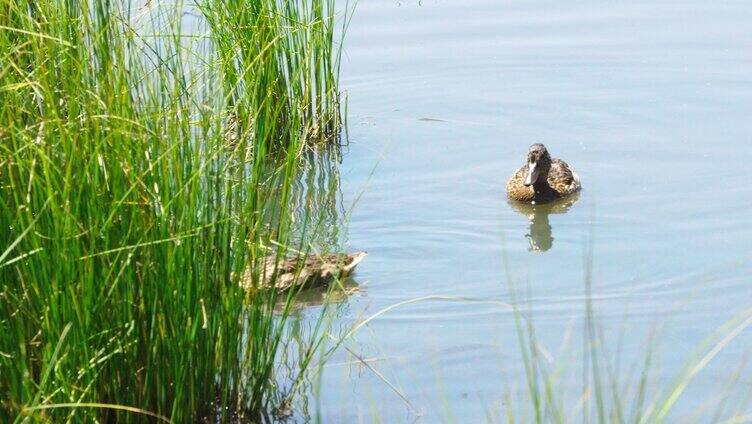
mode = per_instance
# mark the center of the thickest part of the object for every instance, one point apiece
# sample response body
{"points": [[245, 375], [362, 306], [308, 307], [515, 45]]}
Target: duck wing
{"points": [[562, 178]]}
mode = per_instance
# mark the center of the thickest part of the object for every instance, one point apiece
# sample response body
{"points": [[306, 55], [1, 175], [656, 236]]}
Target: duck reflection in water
{"points": [[540, 235]]}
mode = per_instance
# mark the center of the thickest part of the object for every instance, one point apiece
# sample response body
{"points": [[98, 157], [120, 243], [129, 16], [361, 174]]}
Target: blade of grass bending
{"points": [[727, 392], [37, 34], [417, 300], [692, 369], [193, 233], [382, 377], [20, 237], [21, 257], [51, 364], [98, 405]]}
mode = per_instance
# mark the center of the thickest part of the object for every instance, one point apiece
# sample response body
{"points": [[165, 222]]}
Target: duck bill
{"points": [[532, 174]]}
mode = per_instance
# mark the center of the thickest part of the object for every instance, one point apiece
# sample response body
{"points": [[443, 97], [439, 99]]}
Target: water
{"points": [[648, 101]]}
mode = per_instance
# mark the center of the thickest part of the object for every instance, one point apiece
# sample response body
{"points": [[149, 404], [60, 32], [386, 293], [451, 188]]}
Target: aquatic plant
{"points": [[592, 383], [609, 393], [148, 155]]}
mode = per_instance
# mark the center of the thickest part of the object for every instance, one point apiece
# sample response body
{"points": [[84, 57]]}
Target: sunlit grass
{"points": [[143, 165], [607, 393]]}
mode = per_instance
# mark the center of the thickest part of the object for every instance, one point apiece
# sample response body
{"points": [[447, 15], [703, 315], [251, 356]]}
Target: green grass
{"points": [[609, 394], [143, 166], [618, 389]]}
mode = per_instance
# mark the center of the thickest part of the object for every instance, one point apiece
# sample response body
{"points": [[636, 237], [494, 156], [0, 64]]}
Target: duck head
{"points": [[538, 164]]}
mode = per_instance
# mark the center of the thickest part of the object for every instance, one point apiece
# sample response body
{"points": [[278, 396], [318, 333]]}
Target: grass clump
{"points": [[609, 394], [144, 164]]}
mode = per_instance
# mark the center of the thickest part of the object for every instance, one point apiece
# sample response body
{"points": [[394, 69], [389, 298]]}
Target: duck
{"points": [[542, 179], [295, 272]]}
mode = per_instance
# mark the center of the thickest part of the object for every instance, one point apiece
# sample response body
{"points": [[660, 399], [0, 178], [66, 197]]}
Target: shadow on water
{"points": [[333, 295], [540, 235]]}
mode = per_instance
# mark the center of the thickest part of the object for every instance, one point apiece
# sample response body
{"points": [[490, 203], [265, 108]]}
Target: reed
{"points": [[618, 389], [147, 157], [609, 394]]}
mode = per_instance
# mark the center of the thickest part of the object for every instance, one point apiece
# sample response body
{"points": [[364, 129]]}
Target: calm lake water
{"points": [[649, 101]]}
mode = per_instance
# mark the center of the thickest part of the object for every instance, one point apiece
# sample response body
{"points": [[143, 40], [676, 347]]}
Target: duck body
{"points": [[312, 270], [542, 179]]}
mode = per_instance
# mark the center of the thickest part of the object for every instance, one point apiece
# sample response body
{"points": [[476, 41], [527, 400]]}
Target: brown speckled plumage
{"points": [[555, 179], [295, 272]]}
